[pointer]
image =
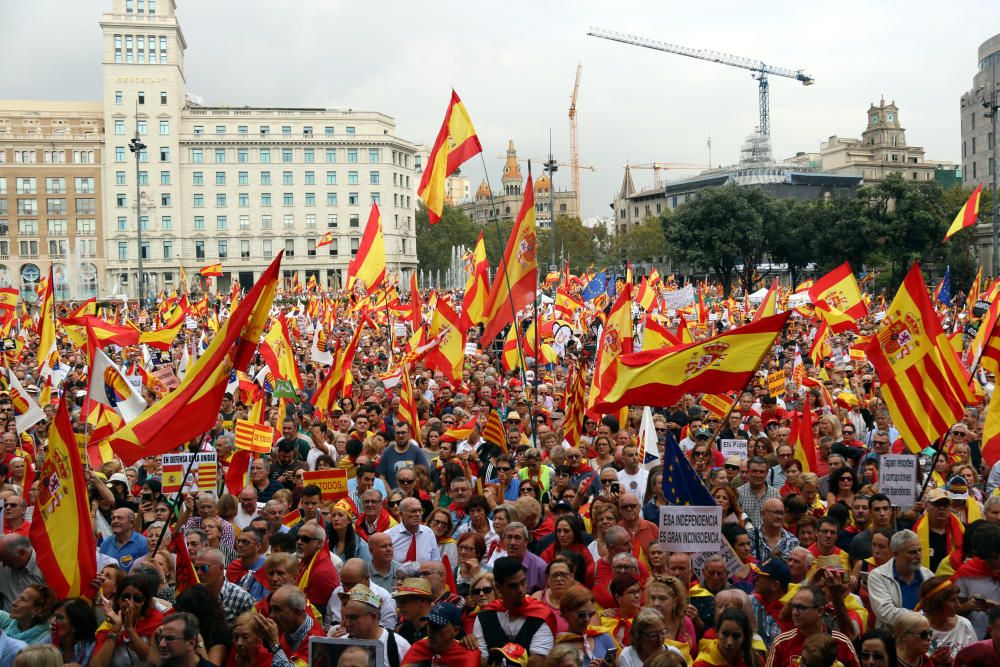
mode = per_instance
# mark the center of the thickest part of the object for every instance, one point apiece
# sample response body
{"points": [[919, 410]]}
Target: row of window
{"points": [[223, 250], [52, 206], [133, 49], [48, 157], [54, 227], [123, 223], [149, 6], [286, 130], [141, 124], [56, 185], [286, 155], [287, 199], [28, 248]]}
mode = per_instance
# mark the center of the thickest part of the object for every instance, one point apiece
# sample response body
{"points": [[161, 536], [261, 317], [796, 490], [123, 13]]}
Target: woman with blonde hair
{"points": [[913, 642], [577, 607], [39, 655], [670, 597], [830, 426], [809, 483], [602, 517]]}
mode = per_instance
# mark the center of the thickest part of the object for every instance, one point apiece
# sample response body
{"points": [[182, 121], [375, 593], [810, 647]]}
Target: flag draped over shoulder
{"points": [[61, 531], [517, 277], [192, 408], [658, 378], [967, 215], [367, 270], [456, 142], [923, 382]]}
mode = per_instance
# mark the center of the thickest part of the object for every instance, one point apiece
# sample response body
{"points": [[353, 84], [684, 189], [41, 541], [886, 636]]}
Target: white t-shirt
{"points": [[629, 658], [401, 643], [541, 642], [633, 483], [957, 638]]}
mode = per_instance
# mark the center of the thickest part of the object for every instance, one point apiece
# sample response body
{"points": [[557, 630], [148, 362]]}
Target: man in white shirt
{"points": [[411, 540], [361, 621], [632, 477], [355, 571]]}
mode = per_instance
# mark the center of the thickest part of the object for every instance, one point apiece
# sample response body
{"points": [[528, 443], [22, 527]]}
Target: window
{"points": [[86, 207], [266, 247], [286, 154], [265, 130], [308, 155], [196, 156], [55, 206], [142, 95], [3, 184], [165, 199], [56, 227], [164, 153], [86, 247], [286, 130], [242, 155], [199, 129], [199, 223], [223, 248], [373, 178], [331, 198], [265, 155], [84, 184], [374, 155], [265, 222], [353, 199], [311, 247], [163, 93], [286, 178], [144, 249], [143, 178], [55, 185], [354, 247], [334, 250], [220, 155], [119, 153], [244, 178], [198, 178], [331, 178], [123, 251], [352, 178], [244, 199], [220, 129], [27, 186], [310, 199], [118, 93], [199, 201], [220, 178], [168, 249], [119, 126], [86, 226], [376, 198], [311, 220], [307, 130], [288, 199], [244, 248], [243, 129], [328, 130], [144, 222], [352, 154], [265, 199], [118, 49], [289, 247], [122, 223], [58, 247], [310, 178], [27, 227], [164, 178], [220, 200], [142, 127], [289, 221], [331, 220], [119, 178], [199, 249], [244, 222], [164, 128], [166, 224], [265, 178], [355, 221], [350, 131], [331, 154]]}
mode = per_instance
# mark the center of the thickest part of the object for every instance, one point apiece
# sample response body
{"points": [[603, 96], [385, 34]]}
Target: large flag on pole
{"points": [[649, 448], [517, 276], [477, 287], [837, 298], [769, 306], [47, 331], [923, 382], [61, 531], [617, 338], [109, 387], [367, 270], [192, 408], [967, 215], [658, 378], [456, 142]]}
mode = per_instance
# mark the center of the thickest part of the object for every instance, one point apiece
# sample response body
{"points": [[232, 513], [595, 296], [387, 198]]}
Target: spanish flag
{"points": [[279, 355], [659, 378], [616, 339], [449, 356], [515, 282], [837, 298], [967, 215], [211, 271], [47, 329], [192, 408], [802, 437], [61, 528], [656, 336], [924, 384], [456, 142], [336, 380], [9, 295], [366, 271], [326, 239], [477, 287], [460, 433], [769, 306]]}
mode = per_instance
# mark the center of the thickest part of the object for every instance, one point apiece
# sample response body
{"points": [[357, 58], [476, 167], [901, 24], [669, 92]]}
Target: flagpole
{"points": [[506, 277], [177, 501]]}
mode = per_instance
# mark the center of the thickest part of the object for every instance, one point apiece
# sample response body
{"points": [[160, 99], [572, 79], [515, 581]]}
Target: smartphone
{"points": [[610, 656], [616, 487]]}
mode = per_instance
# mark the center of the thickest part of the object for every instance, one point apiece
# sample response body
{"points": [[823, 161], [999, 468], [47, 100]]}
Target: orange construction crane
{"points": [[657, 167], [574, 155]]}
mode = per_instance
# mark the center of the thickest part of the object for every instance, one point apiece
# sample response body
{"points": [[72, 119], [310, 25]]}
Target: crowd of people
{"points": [[456, 550]]}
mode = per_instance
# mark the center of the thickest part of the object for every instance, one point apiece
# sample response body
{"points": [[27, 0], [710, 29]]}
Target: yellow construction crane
{"points": [[657, 167], [574, 155]]}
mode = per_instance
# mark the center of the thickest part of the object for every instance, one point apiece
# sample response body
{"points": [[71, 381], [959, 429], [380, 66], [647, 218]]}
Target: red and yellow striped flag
{"points": [[366, 271], [460, 432], [576, 405], [61, 530], [659, 378], [923, 382], [326, 239], [477, 287], [769, 306], [616, 339], [516, 279], [456, 142], [211, 271], [494, 431], [967, 215], [656, 336], [408, 406]]}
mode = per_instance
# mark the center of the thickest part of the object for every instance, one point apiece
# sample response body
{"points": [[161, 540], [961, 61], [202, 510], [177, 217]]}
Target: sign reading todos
{"points": [[332, 483], [691, 529]]}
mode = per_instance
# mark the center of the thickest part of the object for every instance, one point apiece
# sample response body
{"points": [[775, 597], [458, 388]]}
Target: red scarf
{"points": [[531, 608], [774, 611], [975, 568], [381, 525], [456, 655]]}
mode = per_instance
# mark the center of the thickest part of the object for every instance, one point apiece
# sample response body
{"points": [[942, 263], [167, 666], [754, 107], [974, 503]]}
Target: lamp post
{"points": [[990, 103], [136, 146], [551, 167]]}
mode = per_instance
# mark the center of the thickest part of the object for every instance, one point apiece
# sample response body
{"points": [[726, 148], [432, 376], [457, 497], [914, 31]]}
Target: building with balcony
{"points": [[51, 196]]}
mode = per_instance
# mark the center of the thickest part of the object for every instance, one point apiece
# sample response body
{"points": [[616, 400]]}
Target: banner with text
{"points": [[204, 473], [897, 478], [691, 529], [332, 483], [733, 448]]}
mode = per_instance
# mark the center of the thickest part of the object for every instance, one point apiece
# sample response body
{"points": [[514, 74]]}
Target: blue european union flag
{"points": [[681, 484], [612, 288], [944, 290], [596, 287]]}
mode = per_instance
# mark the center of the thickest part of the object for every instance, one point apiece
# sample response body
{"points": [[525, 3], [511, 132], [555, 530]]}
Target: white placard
{"points": [[470, 349], [897, 478], [691, 529], [733, 563], [399, 328], [136, 382], [733, 448]]}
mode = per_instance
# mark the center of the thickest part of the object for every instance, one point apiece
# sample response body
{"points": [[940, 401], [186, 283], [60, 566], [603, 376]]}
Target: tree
{"points": [[574, 242], [638, 243], [721, 229], [434, 242]]}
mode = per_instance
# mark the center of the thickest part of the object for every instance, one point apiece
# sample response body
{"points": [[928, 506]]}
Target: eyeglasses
{"points": [[373, 502], [139, 598], [801, 608], [655, 635], [503, 468], [307, 539], [404, 481], [960, 433], [168, 638], [629, 506], [562, 473], [924, 634], [244, 540], [427, 573], [848, 432], [699, 455], [872, 655], [437, 522], [661, 430]]}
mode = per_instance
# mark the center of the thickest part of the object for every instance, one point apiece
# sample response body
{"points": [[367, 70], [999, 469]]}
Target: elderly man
{"points": [[643, 532], [210, 565], [125, 544], [364, 479], [361, 621], [13, 516], [375, 518], [616, 541], [383, 566], [895, 586], [314, 559], [21, 568], [355, 571], [247, 508], [411, 540], [776, 475], [196, 541], [772, 539], [515, 543], [800, 561], [285, 632], [264, 485], [207, 505], [177, 640], [807, 606]]}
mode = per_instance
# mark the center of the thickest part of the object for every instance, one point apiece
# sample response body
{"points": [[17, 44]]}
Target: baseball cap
{"points": [[514, 654], [702, 433], [118, 477], [444, 613], [937, 495], [777, 570]]}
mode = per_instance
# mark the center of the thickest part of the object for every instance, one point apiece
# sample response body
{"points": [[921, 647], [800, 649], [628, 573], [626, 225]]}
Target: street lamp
{"points": [[991, 106], [137, 147], [551, 167]]}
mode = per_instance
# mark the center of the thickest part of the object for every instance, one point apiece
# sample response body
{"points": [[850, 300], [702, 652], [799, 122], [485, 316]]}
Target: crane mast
{"points": [[573, 147]]}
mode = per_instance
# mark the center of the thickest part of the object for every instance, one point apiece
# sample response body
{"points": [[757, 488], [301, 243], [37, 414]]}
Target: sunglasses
{"points": [[925, 634], [729, 466], [394, 503], [404, 481], [307, 539], [485, 590], [201, 568], [139, 598]]}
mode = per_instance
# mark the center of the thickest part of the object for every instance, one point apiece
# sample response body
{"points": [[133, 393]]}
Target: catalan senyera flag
{"points": [[456, 142], [325, 240], [617, 338], [477, 287], [974, 289], [47, 329], [61, 531], [449, 356], [192, 408], [408, 406], [366, 271], [923, 382], [494, 431], [211, 271], [517, 277], [837, 298], [576, 405], [967, 215], [769, 306], [726, 362]]}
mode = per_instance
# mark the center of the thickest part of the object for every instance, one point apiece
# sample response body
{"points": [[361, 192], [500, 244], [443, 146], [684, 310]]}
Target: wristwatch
{"points": [[274, 648]]}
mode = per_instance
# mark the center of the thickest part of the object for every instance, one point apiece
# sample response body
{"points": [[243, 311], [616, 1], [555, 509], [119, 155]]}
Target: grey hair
{"points": [[190, 622], [215, 554], [991, 501], [157, 524], [625, 558], [202, 535], [715, 558], [807, 556], [296, 598], [646, 618], [615, 535], [372, 490], [509, 510], [517, 525], [901, 539]]}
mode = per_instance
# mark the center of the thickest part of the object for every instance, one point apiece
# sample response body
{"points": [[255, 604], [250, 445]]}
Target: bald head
{"points": [[355, 571]]}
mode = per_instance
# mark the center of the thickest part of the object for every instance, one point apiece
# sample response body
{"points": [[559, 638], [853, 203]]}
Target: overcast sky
{"points": [[513, 63]]}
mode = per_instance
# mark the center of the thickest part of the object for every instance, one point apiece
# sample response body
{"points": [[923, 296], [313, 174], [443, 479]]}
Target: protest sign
{"points": [[733, 448], [255, 437], [776, 384], [733, 563], [897, 478], [691, 529], [332, 483], [204, 474]]}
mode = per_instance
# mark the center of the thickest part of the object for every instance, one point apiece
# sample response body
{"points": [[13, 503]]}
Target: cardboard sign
{"points": [[204, 473], [717, 404], [691, 529], [254, 437], [733, 563], [399, 328], [733, 448], [136, 382], [776, 384], [165, 375], [897, 478], [332, 483]]}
